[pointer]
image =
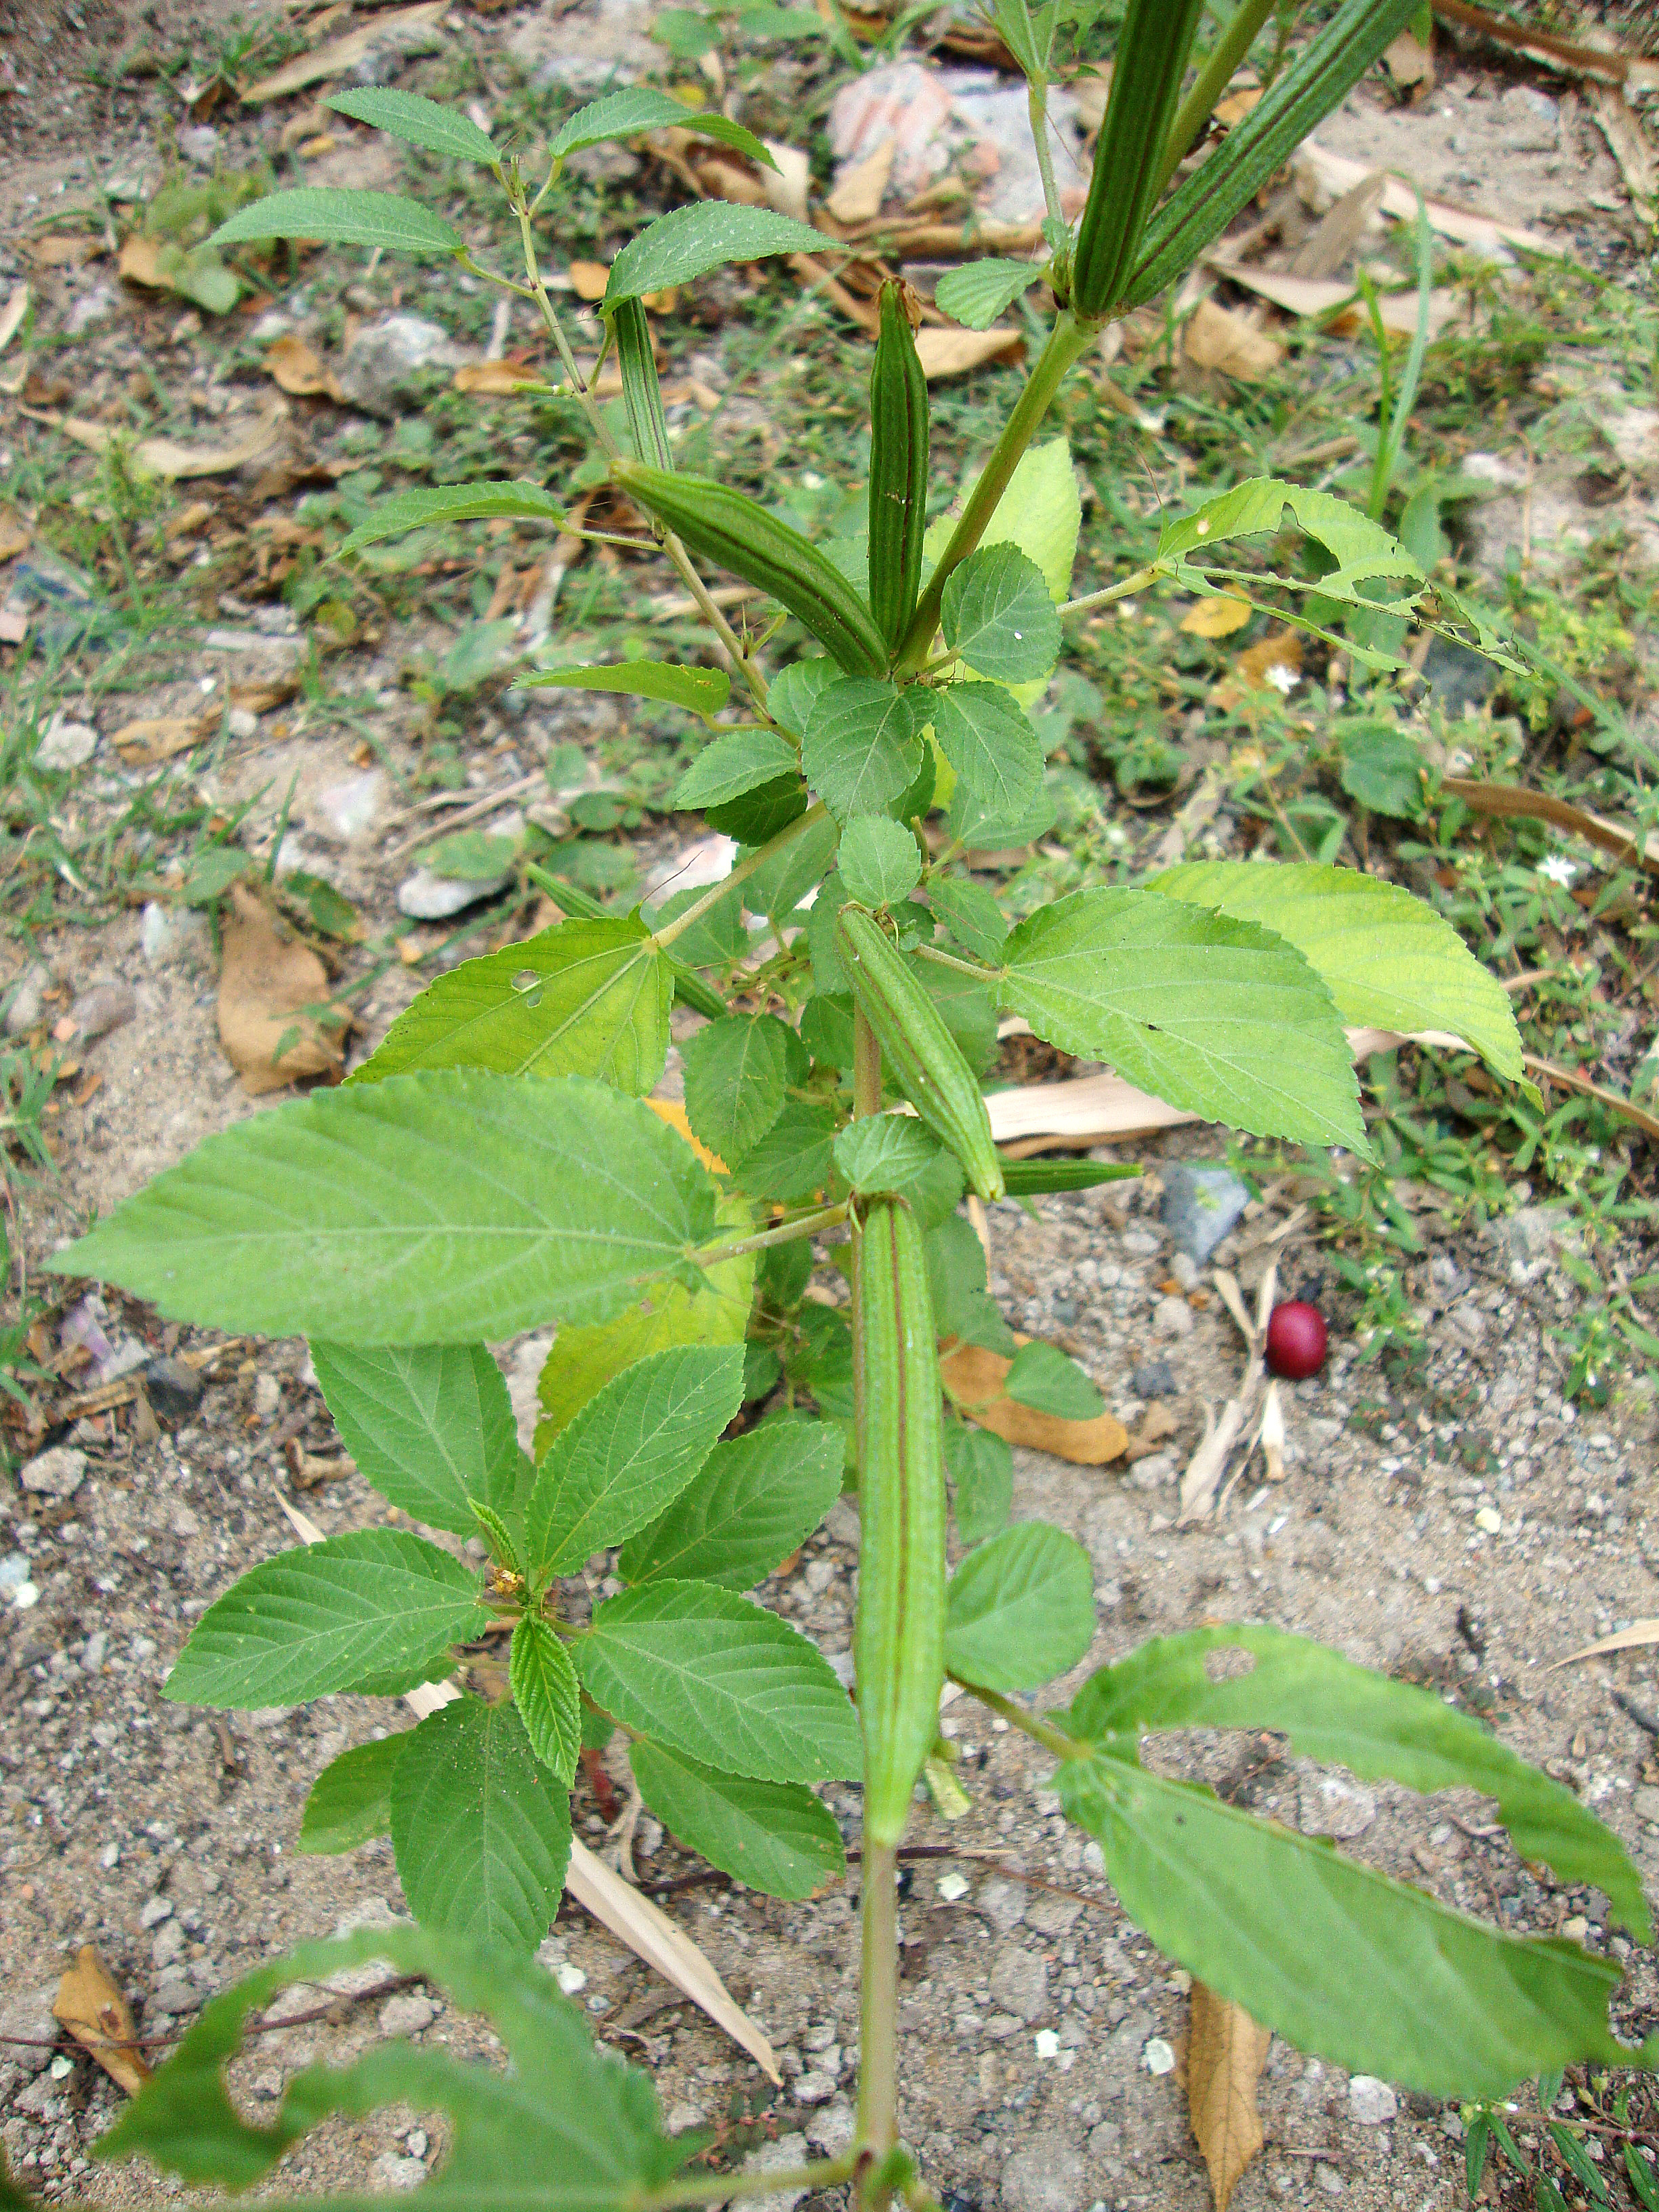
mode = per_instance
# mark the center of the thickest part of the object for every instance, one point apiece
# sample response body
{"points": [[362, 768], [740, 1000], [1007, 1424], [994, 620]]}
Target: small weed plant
{"points": [[495, 1166]]}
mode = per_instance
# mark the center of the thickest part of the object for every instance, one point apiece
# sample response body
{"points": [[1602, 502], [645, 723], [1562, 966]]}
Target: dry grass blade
{"points": [[1202, 1480], [1570, 1079], [12, 314], [1226, 2051], [1636, 1638], [1509, 802], [404, 30], [96, 2014]]}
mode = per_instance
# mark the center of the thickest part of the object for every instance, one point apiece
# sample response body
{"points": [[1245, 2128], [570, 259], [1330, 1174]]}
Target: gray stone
{"points": [[779, 2157], [1371, 2102], [1172, 1317], [383, 358], [407, 2013], [1153, 1471], [1003, 1904], [66, 745], [1332, 1805], [1327, 2179], [96, 306], [199, 143], [155, 1911], [168, 1945], [831, 2129], [345, 809], [58, 1472], [173, 1387], [1045, 2175], [1019, 1982], [105, 1007], [1051, 1916], [1646, 1801], [814, 2087], [393, 2172], [165, 935], [1530, 1238], [425, 896], [1153, 1378], [1201, 1205], [30, 2016], [25, 1007]]}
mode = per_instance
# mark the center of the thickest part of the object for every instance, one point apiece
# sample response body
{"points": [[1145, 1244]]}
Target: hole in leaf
{"points": [[1230, 1662], [526, 980]]}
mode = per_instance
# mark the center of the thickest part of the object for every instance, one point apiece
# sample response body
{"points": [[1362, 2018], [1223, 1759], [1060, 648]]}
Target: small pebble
{"points": [[55, 1473], [1172, 1317]]}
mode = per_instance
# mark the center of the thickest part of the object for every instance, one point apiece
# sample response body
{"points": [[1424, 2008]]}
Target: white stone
{"points": [[1371, 2102], [1490, 1519], [26, 1008], [780, 2157], [1157, 2057], [425, 896], [155, 1911], [815, 2087], [55, 1473], [407, 2013], [66, 745], [392, 2171], [831, 2129], [164, 933], [168, 1944], [1333, 1807], [1172, 1317], [952, 1888], [345, 809]]}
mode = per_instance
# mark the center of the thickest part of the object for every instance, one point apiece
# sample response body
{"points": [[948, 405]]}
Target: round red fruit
{"points": [[1295, 1340]]}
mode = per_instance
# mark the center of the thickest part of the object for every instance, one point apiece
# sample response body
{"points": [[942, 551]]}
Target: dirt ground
{"points": [[1461, 1526]]}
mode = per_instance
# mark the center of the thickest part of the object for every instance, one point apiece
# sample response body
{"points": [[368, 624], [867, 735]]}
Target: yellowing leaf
{"points": [[1226, 2051], [1217, 617], [976, 1378], [498, 377], [95, 2013], [588, 279]]}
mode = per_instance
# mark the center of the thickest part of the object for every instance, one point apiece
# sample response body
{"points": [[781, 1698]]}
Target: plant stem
{"points": [[601, 429], [717, 2188], [1068, 339], [1138, 582], [1029, 1723], [878, 2115], [1036, 102], [786, 1232], [1211, 81], [663, 938], [980, 974]]}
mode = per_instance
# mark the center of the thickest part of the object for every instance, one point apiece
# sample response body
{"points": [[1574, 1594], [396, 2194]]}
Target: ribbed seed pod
{"points": [[1146, 73], [899, 1637], [731, 531], [921, 1051], [642, 394], [898, 471]]}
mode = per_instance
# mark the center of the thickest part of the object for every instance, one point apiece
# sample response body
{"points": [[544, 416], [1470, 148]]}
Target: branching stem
{"points": [[665, 936], [786, 1232]]}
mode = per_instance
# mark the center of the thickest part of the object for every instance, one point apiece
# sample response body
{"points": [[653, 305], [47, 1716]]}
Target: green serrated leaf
{"points": [[715, 1312], [1020, 1608], [632, 1449], [470, 503], [639, 108], [756, 1500], [419, 123], [337, 217], [1390, 961], [741, 762], [1364, 552], [861, 750], [1367, 1973], [981, 1467], [584, 997], [987, 738], [1028, 1178], [700, 690], [737, 1075], [563, 2127], [976, 293], [481, 1837], [430, 1426], [971, 913], [1346, 1715], [706, 1673], [687, 242], [1217, 1016], [771, 1835], [895, 1155], [498, 1536], [350, 1801], [548, 1696], [997, 613], [794, 690], [379, 1603], [428, 1209], [1045, 1379], [791, 1162], [878, 861]]}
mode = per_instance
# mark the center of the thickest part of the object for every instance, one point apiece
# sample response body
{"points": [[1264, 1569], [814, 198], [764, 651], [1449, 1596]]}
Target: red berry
{"points": [[1295, 1340]]}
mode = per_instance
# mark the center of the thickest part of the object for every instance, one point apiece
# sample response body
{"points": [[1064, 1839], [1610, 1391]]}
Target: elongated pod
{"points": [[898, 1636], [921, 1051], [733, 531], [898, 471], [642, 394]]}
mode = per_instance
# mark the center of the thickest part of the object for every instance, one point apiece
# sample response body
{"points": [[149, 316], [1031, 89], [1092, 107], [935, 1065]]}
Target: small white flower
{"points": [[1282, 678], [1558, 869]]}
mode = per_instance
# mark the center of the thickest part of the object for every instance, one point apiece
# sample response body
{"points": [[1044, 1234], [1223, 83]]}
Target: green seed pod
{"points": [[899, 1637], [898, 470], [733, 531], [924, 1055], [641, 394], [1146, 73]]}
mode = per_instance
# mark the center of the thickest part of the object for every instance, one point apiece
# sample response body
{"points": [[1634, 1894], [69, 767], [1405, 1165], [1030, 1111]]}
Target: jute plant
{"points": [[494, 1167]]}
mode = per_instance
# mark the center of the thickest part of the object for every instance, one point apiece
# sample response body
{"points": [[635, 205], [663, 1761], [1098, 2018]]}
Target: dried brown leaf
{"points": [[1336, 173], [1226, 2051], [588, 279], [165, 456], [859, 196], [1508, 801], [977, 1376], [1410, 64], [97, 2015], [15, 533], [1282, 648], [952, 353], [267, 981], [403, 30], [1220, 337], [498, 378], [1217, 617], [298, 370], [158, 737]]}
